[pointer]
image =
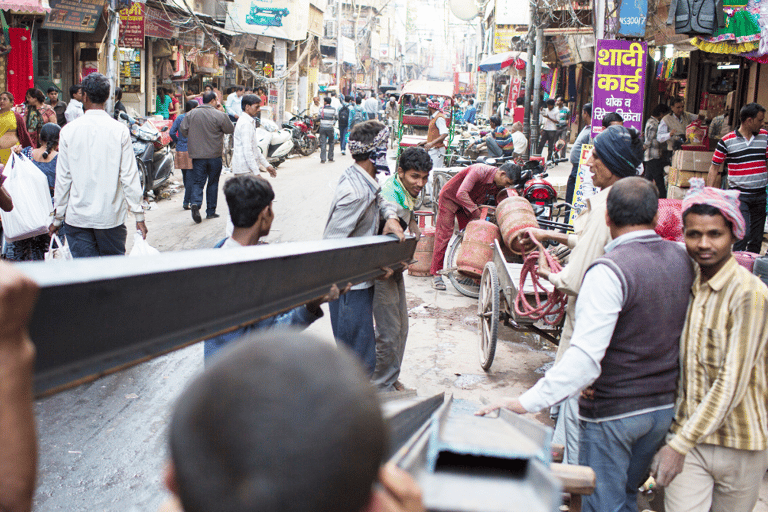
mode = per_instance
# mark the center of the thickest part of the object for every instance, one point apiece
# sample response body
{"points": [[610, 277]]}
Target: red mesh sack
{"points": [[745, 259], [670, 224]]}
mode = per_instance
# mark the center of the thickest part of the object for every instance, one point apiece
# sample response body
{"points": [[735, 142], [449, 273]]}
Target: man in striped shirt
{"points": [[745, 152], [717, 449]]}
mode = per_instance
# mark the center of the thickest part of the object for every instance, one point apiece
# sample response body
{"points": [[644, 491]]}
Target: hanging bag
{"points": [[61, 252], [32, 206]]}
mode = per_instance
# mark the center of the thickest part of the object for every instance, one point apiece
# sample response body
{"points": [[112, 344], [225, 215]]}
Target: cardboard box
{"points": [[674, 192], [698, 161], [680, 178]]}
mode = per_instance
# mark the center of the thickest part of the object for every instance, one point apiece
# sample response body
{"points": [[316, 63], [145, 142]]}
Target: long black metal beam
{"points": [[97, 316]]}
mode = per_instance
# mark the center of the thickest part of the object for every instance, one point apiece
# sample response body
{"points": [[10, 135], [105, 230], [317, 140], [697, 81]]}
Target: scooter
{"points": [[153, 156], [275, 144]]}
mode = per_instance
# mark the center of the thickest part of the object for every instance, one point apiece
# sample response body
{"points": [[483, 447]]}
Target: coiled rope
{"points": [[555, 303]]}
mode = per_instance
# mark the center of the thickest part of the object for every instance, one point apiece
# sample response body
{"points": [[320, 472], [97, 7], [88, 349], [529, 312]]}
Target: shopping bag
{"points": [[32, 206], [141, 247], [59, 253]]}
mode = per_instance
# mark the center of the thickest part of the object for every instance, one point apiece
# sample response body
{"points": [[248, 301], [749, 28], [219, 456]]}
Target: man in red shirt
{"points": [[459, 200]]}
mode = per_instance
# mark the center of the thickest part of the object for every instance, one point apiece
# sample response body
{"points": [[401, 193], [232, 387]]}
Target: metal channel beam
{"points": [[406, 416], [98, 316]]}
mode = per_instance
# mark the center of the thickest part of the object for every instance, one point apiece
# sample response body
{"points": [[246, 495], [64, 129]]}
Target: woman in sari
{"points": [[13, 129], [38, 114]]}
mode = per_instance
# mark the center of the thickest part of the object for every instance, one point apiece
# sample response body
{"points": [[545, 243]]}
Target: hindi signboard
{"points": [[583, 189], [132, 26], [619, 82], [74, 15]]}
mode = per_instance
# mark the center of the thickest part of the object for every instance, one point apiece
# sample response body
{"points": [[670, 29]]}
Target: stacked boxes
{"points": [[686, 165]]}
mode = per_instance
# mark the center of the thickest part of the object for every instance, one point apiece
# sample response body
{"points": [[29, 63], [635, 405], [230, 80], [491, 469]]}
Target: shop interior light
{"points": [[728, 66], [669, 51]]}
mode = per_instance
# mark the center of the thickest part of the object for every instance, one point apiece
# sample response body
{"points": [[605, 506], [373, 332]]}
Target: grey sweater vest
{"points": [[640, 367]]}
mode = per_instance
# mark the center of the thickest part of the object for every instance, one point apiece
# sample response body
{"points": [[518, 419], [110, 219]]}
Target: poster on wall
{"points": [[583, 189], [619, 83], [132, 26], [73, 15], [284, 19]]}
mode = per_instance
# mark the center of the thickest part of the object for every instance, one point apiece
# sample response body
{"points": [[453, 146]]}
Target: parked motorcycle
{"points": [[275, 143], [153, 153], [305, 141]]}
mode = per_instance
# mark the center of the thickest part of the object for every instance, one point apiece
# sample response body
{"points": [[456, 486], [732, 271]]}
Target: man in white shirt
{"points": [[371, 106], [549, 120], [75, 107], [234, 108], [96, 175], [314, 108], [518, 139], [335, 102], [247, 156], [674, 124]]}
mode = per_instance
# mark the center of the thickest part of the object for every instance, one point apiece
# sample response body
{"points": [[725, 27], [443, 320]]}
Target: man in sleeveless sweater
{"points": [[624, 349]]}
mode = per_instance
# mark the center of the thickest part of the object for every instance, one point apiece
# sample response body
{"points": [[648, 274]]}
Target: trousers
{"points": [[548, 138], [327, 137], [343, 136], [90, 243], [752, 207], [443, 233], [352, 324], [654, 171], [390, 314], [206, 169], [717, 478]]}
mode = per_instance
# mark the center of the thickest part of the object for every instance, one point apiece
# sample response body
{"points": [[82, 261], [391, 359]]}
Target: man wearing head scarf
{"points": [[717, 450], [436, 135], [617, 152], [356, 210]]}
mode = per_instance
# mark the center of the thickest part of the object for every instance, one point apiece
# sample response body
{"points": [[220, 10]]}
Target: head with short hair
{"points": [[660, 110], [239, 88], [327, 100], [550, 103], [517, 127], [413, 171], [95, 89], [471, 101], [208, 97], [359, 100], [612, 119], [52, 89], [750, 111], [208, 87], [365, 133], [677, 107], [247, 196], [633, 201], [587, 108], [250, 99], [280, 421], [520, 101], [190, 105], [495, 121], [75, 91]]}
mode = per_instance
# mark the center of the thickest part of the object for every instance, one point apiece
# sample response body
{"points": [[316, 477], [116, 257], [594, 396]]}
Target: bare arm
{"points": [[6, 203], [713, 176]]}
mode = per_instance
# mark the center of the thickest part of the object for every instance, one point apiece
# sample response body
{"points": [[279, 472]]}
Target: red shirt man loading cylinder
{"points": [[459, 200]]}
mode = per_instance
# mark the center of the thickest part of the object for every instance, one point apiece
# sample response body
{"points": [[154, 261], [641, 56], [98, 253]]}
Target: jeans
{"points": [[567, 429], [352, 324], [571, 186], [90, 243], [343, 137], [186, 176], [752, 207], [620, 452], [548, 137], [326, 139], [390, 310], [654, 171], [206, 169]]}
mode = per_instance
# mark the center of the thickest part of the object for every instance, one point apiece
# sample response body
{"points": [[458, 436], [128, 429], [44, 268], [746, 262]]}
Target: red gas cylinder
{"points": [[513, 215], [424, 246], [477, 247]]}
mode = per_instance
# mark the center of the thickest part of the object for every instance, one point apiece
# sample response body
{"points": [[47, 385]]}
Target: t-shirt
{"points": [[554, 113], [745, 159], [563, 116]]}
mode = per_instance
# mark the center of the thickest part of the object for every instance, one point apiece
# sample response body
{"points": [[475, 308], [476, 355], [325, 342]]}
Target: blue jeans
{"points": [[620, 452], [206, 169], [352, 323], [186, 176], [343, 137], [90, 243]]}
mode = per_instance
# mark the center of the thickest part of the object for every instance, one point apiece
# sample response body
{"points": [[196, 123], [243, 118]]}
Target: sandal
{"points": [[438, 284]]}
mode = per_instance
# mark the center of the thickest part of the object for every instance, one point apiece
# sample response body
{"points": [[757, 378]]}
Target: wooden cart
{"points": [[496, 303]]}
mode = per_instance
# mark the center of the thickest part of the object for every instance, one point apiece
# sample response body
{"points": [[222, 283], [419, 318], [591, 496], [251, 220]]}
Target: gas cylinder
{"points": [[477, 247], [424, 246], [513, 215]]}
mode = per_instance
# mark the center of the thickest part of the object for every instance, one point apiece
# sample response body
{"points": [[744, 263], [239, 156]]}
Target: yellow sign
{"points": [[583, 189], [501, 37]]}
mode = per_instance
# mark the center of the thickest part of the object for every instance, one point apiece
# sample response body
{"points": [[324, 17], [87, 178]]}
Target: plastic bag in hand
{"points": [[59, 253], [32, 206], [141, 247]]}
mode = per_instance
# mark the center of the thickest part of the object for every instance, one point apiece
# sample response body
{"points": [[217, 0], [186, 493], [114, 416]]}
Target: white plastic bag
{"points": [[61, 252], [141, 247], [32, 205]]}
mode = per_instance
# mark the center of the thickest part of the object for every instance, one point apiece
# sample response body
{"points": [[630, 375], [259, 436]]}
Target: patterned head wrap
{"points": [[377, 149], [726, 201], [433, 104]]}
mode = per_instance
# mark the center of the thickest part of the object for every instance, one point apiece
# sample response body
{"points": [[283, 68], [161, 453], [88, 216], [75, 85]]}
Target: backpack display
{"points": [[344, 115]]}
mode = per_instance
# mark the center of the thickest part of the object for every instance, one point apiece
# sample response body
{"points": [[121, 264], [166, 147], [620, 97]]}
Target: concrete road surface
{"points": [[103, 445]]}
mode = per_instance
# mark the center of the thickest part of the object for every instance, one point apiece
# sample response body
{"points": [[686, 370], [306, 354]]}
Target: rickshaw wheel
{"points": [[488, 314]]}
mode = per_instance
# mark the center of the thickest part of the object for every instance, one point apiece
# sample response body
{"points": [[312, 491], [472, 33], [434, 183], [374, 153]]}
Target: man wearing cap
{"points": [[617, 152], [436, 135], [716, 453], [623, 356]]}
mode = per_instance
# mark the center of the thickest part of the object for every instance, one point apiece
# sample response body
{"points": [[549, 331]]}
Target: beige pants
{"points": [[718, 479]]}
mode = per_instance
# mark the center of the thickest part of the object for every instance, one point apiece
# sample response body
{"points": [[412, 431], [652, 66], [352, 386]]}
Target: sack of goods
{"points": [[32, 205]]}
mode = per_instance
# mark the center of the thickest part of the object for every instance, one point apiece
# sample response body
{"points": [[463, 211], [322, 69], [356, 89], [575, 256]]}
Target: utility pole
{"points": [[339, 49], [112, 53], [529, 82], [537, 88]]}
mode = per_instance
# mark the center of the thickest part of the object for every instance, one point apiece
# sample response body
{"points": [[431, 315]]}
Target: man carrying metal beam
{"points": [[357, 210], [623, 356]]}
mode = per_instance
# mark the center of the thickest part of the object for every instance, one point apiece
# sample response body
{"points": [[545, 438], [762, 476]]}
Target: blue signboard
{"points": [[632, 17]]}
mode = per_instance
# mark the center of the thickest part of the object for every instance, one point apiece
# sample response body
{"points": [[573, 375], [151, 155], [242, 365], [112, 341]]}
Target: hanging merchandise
{"points": [[761, 54], [20, 71], [5, 40], [741, 33], [696, 17]]}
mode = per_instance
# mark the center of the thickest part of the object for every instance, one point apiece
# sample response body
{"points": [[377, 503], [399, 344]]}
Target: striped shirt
{"points": [[722, 391], [503, 138], [745, 159], [357, 208]]}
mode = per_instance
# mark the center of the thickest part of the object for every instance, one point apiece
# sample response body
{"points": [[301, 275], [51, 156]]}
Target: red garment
{"points": [[174, 106], [20, 71], [263, 100], [443, 233], [519, 115]]}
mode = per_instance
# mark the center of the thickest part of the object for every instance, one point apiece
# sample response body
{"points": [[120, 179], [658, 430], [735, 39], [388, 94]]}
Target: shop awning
{"points": [[26, 6], [501, 61]]}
